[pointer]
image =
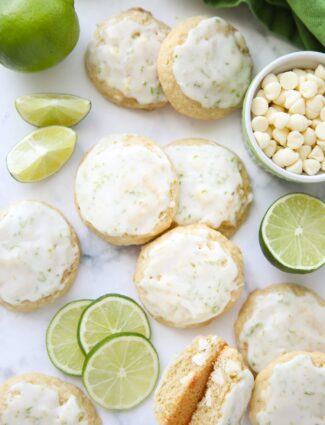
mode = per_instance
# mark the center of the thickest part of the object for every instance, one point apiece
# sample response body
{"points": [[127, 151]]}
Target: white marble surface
{"points": [[105, 268]]}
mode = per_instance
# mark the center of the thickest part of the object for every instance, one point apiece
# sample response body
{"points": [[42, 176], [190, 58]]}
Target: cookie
{"points": [[189, 276], [126, 189], [184, 381], [121, 59], [279, 319], [228, 391], [290, 391], [39, 255], [204, 67], [37, 398], [214, 187]]}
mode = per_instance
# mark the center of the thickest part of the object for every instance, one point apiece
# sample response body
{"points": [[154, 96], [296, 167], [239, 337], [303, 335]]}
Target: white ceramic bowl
{"points": [[301, 60]]}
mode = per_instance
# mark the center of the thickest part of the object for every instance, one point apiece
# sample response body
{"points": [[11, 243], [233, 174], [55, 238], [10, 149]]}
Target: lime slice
{"points": [[292, 233], [121, 371], [109, 315], [61, 338], [41, 153], [52, 109]]}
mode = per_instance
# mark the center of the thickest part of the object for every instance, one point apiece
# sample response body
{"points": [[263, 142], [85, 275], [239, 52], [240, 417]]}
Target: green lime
{"points": [[108, 315], [61, 338], [121, 371], [45, 109], [41, 153], [36, 34], [292, 233]]}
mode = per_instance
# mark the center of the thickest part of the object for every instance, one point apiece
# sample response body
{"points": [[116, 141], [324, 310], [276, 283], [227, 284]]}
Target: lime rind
{"points": [[96, 351], [47, 109], [298, 246], [76, 356], [41, 154], [103, 331]]}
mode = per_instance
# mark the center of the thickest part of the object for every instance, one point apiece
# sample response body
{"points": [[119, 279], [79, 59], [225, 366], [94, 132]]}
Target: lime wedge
{"points": [[121, 371], [61, 338], [292, 233], [41, 153], [108, 315], [52, 109]]}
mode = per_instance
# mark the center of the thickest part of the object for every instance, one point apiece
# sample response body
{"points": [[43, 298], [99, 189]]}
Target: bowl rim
{"points": [[254, 86]]}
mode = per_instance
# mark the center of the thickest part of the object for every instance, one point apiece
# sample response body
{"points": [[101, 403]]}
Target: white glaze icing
{"points": [[186, 278], [31, 404], [122, 186], [294, 394], [213, 66], [282, 322], [209, 182], [236, 401], [125, 54], [35, 251]]}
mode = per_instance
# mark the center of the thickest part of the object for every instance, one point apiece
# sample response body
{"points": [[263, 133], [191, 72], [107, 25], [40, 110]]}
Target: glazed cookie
{"points": [[126, 189], [214, 185], [184, 382], [204, 67], [189, 276], [290, 391], [39, 399], [279, 319], [122, 59], [39, 255], [228, 392]]}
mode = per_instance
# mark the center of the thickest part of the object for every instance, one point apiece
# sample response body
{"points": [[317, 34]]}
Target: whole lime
{"points": [[36, 34]]}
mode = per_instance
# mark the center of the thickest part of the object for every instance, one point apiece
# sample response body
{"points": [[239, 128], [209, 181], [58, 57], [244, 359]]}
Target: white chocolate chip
{"points": [[304, 151], [289, 80], [260, 123], [314, 106], [270, 113], [259, 106], [299, 72], [270, 78], [285, 157], [308, 89], [321, 144], [260, 93], [311, 166], [317, 154], [323, 165], [280, 135], [310, 137], [295, 140], [298, 122], [278, 108], [298, 107], [320, 130], [318, 81], [280, 100], [272, 90], [314, 123], [262, 139], [320, 71], [322, 114], [296, 167], [280, 119], [270, 148], [291, 97]]}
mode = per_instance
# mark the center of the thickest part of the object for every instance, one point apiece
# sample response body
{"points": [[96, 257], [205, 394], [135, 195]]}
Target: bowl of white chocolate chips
{"points": [[284, 117]]}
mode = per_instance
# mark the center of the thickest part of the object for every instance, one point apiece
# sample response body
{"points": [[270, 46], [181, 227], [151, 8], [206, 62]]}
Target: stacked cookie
{"points": [[202, 66], [129, 190], [208, 383]]}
